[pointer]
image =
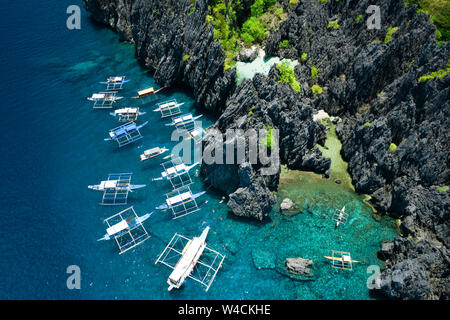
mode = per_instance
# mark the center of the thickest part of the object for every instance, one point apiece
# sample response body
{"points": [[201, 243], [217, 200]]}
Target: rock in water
{"points": [[299, 266], [286, 205], [248, 54]]}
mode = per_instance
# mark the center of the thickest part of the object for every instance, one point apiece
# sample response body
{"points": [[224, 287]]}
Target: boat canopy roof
{"points": [[152, 151], [122, 225], [116, 78], [126, 110], [108, 184], [183, 119], [179, 198], [98, 96], [145, 91]]}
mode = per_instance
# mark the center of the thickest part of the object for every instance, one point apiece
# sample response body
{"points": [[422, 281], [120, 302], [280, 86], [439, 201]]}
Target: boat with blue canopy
{"points": [[126, 133]]}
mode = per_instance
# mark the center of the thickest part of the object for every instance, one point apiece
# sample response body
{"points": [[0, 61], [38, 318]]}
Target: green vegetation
{"points": [[316, 89], [392, 147], [293, 3], [267, 141], [304, 56], [284, 44], [314, 72], [185, 57], [323, 1], [439, 13], [436, 74], [358, 18], [253, 31], [442, 189], [287, 75], [367, 124], [233, 28], [250, 112], [389, 33], [333, 24]]}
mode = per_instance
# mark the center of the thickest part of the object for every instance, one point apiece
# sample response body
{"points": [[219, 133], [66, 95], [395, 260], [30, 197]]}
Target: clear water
{"points": [[53, 148]]}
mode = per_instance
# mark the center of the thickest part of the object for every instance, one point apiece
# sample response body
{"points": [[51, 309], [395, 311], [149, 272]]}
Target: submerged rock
{"points": [[299, 266], [286, 205]]}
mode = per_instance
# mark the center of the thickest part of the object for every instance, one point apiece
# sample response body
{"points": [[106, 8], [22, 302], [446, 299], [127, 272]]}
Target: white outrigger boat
{"points": [[127, 114], [104, 99], [115, 185], [168, 108], [116, 188], [127, 229], [181, 202], [175, 171], [123, 227], [340, 217], [152, 153], [341, 260], [183, 120], [196, 260], [115, 83]]}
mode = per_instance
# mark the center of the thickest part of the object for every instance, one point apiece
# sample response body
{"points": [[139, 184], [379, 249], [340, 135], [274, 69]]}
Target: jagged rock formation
{"points": [[371, 85], [174, 42], [416, 270]]}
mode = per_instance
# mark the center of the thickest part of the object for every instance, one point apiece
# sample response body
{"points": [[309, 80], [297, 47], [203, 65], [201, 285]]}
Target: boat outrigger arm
{"points": [[196, 261]]}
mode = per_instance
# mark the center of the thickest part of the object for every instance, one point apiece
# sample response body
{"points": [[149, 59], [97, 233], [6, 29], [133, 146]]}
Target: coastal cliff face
{"points": [[394, 127]]}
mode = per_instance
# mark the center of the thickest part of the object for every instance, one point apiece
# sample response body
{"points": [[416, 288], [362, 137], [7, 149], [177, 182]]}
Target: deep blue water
{"points": [[52, 149]]}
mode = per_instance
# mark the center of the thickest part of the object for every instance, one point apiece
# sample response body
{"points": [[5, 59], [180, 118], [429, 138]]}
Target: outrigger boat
{"points": [[126, 133], [116, 188], [196, 134], [196, 260], [127, 229], [152, 153], [104, 100], [340, 217], [341, 260], [127, 114], [124, 226], [169, 108], [176, 172], [146, 92], [181, 201], [115, 83], [182, 120]]}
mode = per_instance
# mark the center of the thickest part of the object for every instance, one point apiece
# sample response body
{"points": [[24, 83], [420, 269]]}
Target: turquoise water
{"points": [[53, 149]]}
